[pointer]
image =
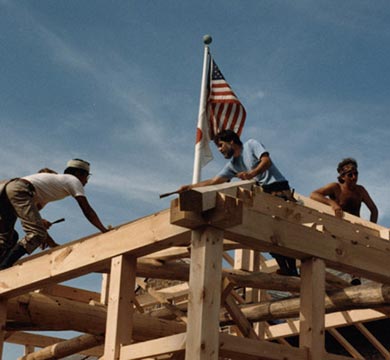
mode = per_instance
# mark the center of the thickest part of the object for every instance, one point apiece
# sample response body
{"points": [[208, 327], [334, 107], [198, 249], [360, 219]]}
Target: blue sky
{"points": [[117, 83]]}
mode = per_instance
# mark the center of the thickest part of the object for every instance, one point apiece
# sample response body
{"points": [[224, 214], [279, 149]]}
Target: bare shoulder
{"points": [[361, 189]]}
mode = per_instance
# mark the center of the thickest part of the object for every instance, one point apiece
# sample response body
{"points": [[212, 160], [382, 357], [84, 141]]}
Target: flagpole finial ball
{"points": [[207, 39]]}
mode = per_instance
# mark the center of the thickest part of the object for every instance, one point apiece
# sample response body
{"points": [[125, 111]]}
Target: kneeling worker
{"points": [[23, 198], [251, 161]]}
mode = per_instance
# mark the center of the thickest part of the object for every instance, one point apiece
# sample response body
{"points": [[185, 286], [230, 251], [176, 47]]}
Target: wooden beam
{"points": [[41, 341], [362, 296], [138, 238], [65, 348], [238, 348], [278, 227], [3, 318], [153, 348], [334, 320], [312, 308], [71, 293], [42, 312], [264, 232], [119, 324], [204, 198], [204, 295]]}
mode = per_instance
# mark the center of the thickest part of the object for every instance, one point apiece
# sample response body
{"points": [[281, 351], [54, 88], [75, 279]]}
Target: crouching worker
{"points": [[23, 198], [251, 161]]}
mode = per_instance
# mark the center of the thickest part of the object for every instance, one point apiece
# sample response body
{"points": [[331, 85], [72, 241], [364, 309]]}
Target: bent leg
{"points": [[21, 198]]}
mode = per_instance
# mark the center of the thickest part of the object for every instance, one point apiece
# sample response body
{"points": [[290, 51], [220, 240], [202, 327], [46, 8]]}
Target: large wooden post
{"points": [[3, 319], [312, 308], [119, 325], [202, 341]]}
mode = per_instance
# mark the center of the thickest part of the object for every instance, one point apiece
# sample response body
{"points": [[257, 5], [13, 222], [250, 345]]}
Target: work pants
{"points": [[17, 201]]}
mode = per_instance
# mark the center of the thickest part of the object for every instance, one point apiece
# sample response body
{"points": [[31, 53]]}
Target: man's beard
{"points": [[228, 154]]}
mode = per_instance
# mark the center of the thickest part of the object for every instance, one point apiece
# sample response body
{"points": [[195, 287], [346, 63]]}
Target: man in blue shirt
{"points": [[251, 161]]}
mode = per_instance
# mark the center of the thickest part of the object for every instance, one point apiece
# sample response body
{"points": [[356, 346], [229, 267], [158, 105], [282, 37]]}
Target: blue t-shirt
{"points": [[249, 159]]}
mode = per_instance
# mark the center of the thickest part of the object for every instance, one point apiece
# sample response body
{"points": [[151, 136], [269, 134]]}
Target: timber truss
{"points": [[213, 306]]}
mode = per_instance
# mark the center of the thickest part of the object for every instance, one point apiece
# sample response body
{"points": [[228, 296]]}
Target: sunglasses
{"points": [[351, 174]]}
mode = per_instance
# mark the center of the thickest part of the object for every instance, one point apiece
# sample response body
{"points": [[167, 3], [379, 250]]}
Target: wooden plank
{"points": [[41, 341], [204, 295], [240, 320], [204, 198], [3, 319], [119, 324], [153, 348], [273, 234], [320, 207], [344, 248], [65, 348], [140, 237], [71, 293], [238, 348], [312, 308], [334, 320]]}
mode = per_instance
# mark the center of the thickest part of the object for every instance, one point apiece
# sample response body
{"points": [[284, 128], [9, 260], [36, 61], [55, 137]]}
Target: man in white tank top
{"points": [[23, 198]]}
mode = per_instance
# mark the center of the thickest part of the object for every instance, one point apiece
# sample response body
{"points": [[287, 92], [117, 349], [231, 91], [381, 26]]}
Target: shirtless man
{"points": [[346, 195]]}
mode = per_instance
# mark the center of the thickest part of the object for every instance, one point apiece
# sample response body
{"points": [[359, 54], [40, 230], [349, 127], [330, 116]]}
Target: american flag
{"points": [[224, 110]]}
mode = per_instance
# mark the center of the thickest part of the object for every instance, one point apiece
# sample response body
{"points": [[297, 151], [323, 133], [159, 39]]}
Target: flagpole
{"points": [[202, 109]]}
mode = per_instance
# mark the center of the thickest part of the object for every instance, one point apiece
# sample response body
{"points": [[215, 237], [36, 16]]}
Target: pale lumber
{"points": [[312, 308], [155, 269], [320, 207], [104, 288], [28, 349], [138, 238], [204, 295], [163, 300], [333, 320], [71, 293], [120, 309], [266, 233], [65, 348], [3, 318], [354, 297], [239, 319], [41, 341], [204, 198], [298, 213], [344, 248], [42, 312], [260, 280], [238, 348], [153, 348], [170, 294]]}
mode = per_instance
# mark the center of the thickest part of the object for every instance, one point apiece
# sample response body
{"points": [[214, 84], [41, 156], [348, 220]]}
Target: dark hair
{"points": [[342, 164], [47, 170], [75, 171], [227, 136]]}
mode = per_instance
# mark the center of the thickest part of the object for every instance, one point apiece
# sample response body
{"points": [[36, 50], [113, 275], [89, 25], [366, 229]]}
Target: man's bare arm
{"points": [[213, 181], [324, 195], [90, 213], [370, 204]]}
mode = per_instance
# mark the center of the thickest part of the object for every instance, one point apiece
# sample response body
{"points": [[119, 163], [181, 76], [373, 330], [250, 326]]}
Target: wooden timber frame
{"points": [[189, 243]]}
